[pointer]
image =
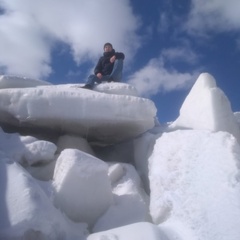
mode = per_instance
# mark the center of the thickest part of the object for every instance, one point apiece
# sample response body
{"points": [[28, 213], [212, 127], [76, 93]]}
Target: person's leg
{"points": [[91, 81], [116, 74]]}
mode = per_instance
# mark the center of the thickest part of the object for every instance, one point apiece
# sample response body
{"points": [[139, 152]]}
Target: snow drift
{"points": [[94, 165]]}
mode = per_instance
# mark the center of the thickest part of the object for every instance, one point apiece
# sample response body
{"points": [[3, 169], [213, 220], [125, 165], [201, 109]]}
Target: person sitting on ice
{"points": [[109, 67]]}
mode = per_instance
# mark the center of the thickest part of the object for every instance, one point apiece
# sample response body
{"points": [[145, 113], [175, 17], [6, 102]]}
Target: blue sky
{"points": [[167, 43]]}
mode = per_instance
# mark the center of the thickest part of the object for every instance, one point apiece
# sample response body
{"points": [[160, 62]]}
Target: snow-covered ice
{"points": [[27, 212], [207, 107], [195, 186], [97, 165], [94, 115], [130, 201], [137, 231], [20, 82], [76, 176], [26, 149]]}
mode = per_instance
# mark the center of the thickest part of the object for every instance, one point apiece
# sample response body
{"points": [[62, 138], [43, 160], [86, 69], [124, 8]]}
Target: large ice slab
{"points": [[94, 115], [26, 149], [117, 88], [207, 107], [82, 186], [143, 147], [73, 142], [194, 180], [7, 81], [136, 231], [130, 202], [27, 212]]}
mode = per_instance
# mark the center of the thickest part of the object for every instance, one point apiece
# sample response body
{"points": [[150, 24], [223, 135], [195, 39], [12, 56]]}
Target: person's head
{"points": [[108, 47]]}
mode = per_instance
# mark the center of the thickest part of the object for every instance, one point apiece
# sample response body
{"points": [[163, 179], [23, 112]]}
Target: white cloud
{"points": [[214, 15], [23, 51], [182, 53], [29, 29], [154, 77]]}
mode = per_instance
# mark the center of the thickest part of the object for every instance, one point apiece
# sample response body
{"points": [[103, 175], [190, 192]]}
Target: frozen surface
{"points": [[194, 180], [117, 88], [26, 211], [137, 231], [95, 115], [73, 142], [26, 149], [130, 202], [101, 164], [143, 147], [20, 82], [83, 178], [207, 107]]}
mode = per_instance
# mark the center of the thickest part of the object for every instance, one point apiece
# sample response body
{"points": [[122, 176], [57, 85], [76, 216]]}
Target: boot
{"points": [[87, 86]]}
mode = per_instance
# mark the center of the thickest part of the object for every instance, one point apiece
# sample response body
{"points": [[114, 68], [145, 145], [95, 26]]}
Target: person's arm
{"points": [[98, 68], [119, 55]]}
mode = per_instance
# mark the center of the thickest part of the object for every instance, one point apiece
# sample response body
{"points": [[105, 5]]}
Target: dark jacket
{"points": [[104, 66]]}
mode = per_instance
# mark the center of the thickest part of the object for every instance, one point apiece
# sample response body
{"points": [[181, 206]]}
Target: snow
{"points": [[26, 210], [92, 114], [73, 142], [137, 231], [130, 202], [85, 202], [94, 165], [26, 149], [207, 107], [20, 82], [117, 88], [188, 184]]}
